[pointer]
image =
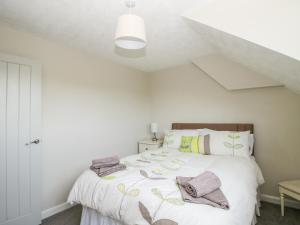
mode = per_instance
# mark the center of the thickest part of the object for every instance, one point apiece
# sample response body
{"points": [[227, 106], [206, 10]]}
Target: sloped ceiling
{"points": [[258, 58], [172, 40]]}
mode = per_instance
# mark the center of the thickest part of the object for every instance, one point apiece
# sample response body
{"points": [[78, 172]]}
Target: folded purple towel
{"points": [[215, 198], [104, 171], [106, 162], [203, 184]]}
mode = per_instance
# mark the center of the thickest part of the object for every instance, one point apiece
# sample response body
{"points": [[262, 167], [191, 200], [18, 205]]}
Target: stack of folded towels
{"points": [[203, 189], [106, 166]]}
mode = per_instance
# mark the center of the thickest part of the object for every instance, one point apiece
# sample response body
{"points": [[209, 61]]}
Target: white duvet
{"points": [[146, 193]]}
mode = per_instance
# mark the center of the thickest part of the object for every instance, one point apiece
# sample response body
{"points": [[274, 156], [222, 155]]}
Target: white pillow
{"points": [[173, 137], [251, 143], [228, 142]]}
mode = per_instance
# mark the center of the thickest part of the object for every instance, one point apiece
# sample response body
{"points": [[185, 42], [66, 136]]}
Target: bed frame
{"points": [[215, 126]]}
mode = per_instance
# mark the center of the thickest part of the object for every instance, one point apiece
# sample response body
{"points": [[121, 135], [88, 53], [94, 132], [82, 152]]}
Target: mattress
{"points": [[146, 192]]}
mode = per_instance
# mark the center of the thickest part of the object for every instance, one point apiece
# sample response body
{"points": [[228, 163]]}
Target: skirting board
{"points": [[265, 198], [56, 209], [276, 200]]}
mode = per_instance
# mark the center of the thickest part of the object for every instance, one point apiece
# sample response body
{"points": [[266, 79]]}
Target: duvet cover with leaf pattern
{"points": [[146, 192]]}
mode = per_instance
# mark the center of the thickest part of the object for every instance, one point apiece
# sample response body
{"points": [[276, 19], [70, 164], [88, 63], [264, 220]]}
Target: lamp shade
{"points": [[154, 127], [130, 33]]}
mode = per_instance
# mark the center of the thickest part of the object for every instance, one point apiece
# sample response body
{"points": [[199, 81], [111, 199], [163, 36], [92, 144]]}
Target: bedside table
{"points": [[145, 145], [290, 188]]}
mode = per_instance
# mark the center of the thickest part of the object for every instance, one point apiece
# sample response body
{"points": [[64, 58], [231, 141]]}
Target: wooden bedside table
{"points": [[290, 188], [145, 145]]}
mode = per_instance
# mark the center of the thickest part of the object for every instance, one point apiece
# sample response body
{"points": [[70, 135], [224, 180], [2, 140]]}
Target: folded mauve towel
{"points": [[106, 162], [104, 171], [216, 198], [203, 184]]}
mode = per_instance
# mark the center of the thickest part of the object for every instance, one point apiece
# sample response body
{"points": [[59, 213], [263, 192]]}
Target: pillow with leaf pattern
{"points": [[173, 137], [228, 142]]}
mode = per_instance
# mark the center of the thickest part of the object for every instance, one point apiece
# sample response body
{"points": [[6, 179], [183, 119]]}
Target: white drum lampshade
{"points": [[130, 33], [154, 127]]}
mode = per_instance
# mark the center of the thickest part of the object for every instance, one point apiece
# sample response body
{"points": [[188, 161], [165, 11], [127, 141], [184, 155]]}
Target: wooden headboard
{"points": [[214, 126]]}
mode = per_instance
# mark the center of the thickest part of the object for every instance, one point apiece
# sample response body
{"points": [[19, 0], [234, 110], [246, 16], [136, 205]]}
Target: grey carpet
{"points": [[270, 215], [69, 217]]}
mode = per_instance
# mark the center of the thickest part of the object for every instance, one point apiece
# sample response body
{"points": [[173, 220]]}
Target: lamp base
{"points": [[154, 138]]}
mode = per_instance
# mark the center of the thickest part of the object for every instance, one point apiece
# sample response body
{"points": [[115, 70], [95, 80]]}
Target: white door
{"points": [[20, 124]]}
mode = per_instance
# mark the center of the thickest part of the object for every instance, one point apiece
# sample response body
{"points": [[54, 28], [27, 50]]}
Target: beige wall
{"points": [[185, 94], [87, 104]]}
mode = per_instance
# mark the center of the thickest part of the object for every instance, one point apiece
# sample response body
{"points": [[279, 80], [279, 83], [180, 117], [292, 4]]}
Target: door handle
{"points": [[36, 141]]}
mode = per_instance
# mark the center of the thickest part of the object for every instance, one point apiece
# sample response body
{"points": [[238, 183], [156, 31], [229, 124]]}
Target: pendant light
{"points": [[130, 33]]}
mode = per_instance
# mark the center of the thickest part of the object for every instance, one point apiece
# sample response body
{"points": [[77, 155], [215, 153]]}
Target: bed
{"points": [[146, 192]]}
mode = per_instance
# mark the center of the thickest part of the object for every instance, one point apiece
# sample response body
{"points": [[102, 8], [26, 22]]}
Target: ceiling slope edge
{"points": [[232, 75]]}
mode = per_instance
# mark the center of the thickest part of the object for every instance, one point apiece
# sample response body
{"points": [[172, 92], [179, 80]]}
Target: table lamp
{"points": [[154, 129]]}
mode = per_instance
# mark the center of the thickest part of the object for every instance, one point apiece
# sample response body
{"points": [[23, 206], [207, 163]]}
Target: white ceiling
{"points": [[90, 25], [268, 23]]}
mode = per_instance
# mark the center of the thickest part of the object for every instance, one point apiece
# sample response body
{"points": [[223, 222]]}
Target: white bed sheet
{"points": [[240, 178], [92, 217]]}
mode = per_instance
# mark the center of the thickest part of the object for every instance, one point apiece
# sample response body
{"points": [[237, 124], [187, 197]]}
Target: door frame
{"points": [[36, 127]]}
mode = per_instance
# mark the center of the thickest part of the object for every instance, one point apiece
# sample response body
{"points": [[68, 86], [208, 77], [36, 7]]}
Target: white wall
{"points": [[185, 94], [94, 108], [91, 108]]}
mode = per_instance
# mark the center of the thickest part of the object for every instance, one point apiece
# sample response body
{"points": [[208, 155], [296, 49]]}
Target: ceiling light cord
{"points": [[130, 4]]}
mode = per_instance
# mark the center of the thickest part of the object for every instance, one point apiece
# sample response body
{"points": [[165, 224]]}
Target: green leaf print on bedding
{"points": [[228, 145], [238, 146], [157, 193], [173, 201], [160, 171], [234, 136], [108, 177], [152, 219], [129, 192], [132, 193], [231, 144], [157, 171], [121, 188]]}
